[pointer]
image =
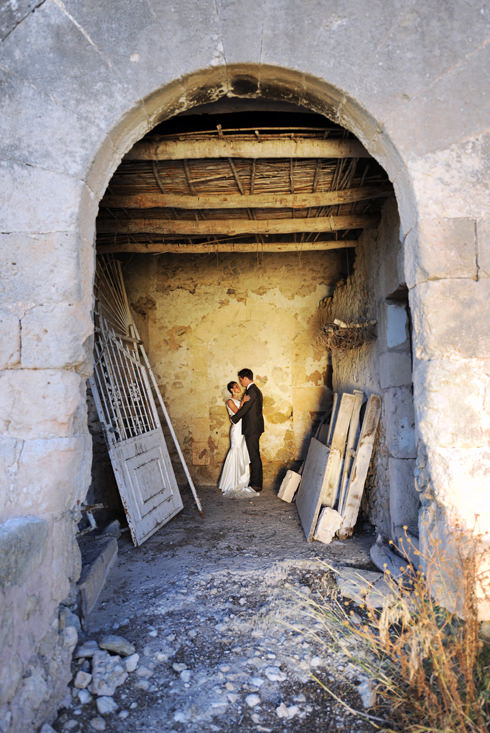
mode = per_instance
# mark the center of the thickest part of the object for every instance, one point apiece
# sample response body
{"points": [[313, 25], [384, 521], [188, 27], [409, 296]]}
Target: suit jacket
{"points": [[250, 413]]}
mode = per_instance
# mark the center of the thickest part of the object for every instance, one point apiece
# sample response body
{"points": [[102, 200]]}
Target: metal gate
{"points": [[127, 410]]}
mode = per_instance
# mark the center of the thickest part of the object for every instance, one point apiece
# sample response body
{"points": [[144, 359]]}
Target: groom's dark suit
{"points": [[250, 413]]}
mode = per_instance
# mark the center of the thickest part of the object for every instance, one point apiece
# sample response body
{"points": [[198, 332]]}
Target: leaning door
{"points": [[127, 411]]}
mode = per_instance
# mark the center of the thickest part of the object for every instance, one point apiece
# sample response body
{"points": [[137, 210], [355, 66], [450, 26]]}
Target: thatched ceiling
{"points": [[262, 188]]}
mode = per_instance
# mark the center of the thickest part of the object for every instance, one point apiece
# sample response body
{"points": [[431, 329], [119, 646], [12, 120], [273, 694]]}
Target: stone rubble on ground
{"points": [[255, 673]]}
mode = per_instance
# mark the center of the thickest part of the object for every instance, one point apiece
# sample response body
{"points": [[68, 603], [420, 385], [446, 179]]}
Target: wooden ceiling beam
{"points": [[229, 147], [234, 227], [135, 247], [243, 201]]}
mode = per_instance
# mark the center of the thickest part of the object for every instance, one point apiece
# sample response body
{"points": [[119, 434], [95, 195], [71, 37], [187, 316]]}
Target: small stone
{"points": [[142, 684], [87, 649], [274, 674], [282, 711], [229, 686], [232, 697], [144, 672], [107, 674], [84, 696], [180, 717], [131, 662], [242, 601], [257, 681], [70, 637], [252, 700], [153, 633], [46, 728], [123, 714], [82, 680], [106, 705], [133, 705], [315, 662], [368, 693], [98, 723], [70, 724], [117, 644], [178, 666], [161, 657], [186, 675]]}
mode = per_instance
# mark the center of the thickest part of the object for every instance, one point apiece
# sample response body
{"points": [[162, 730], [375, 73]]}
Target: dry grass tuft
{"points": [[426, 666]]}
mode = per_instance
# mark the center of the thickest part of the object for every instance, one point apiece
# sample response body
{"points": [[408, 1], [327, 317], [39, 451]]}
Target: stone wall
{"points": [[376, 291], [205, 317], [82, 82]]}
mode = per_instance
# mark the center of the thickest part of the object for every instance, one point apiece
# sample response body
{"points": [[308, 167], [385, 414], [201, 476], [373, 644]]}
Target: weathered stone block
{"points": [[483, 245], [57, 336], [441, 248], [395, 369], [9, 340], [39, 268], [36, 116], [399, 420], [53, 199], [22, 548], [39, 403], [396, 325], [10, 675], [453, 181], [448, 318], [452, 403], [404, 499], [45, 476]]}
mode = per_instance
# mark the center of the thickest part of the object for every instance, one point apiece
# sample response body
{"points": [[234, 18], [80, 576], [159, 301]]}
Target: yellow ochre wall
{"points": [[204, 317]]}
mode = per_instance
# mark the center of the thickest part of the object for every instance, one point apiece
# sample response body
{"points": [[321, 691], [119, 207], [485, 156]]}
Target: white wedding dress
{"points": [[235, 475]]}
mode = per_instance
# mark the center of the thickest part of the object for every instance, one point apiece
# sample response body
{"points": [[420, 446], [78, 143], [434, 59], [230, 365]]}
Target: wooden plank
{"points": [[360, 466], [234, 227], [310, 489], [350, 448], [327, 525], [230, 147], [211, 248], [333, 417], [289, 486], [243, 201], [323, 490], [337, 448]]}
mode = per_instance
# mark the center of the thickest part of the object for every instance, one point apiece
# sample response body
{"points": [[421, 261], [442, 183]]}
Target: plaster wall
{"points": [[83, 81], [205, 317]]}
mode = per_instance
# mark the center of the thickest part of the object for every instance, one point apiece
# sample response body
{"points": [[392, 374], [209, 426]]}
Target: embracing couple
{"points": [[242, 469]]}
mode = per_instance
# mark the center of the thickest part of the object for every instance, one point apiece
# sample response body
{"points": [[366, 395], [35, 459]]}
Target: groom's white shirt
{"points": [[248, 385]]}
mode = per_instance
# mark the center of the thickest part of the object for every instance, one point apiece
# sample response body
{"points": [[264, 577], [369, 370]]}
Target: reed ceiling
{"points": [[263, 187]]}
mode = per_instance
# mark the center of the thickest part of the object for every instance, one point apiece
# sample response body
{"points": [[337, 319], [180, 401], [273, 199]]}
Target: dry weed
{"points": [[427, 668]]}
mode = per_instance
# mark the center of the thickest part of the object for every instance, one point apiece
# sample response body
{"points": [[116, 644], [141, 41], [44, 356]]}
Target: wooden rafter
{"points": [[162, 248], [241, 201], [233, 148], [234, 227]]}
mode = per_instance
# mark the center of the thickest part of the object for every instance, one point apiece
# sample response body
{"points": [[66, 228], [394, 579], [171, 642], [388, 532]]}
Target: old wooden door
{"points": [[127, 411]]}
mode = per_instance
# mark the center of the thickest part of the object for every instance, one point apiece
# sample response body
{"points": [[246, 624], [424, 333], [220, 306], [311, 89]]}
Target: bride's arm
{"points": [[232, 406]]}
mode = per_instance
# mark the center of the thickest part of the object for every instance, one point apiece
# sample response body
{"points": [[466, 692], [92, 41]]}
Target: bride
{"points": [[235, 475]]}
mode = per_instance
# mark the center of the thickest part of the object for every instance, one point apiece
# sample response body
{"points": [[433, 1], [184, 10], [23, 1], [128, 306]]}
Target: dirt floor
{"points": [[210, 605]]}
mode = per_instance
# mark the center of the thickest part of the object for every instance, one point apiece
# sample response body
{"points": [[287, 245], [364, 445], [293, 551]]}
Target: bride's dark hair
{"points": [[229, 386]]}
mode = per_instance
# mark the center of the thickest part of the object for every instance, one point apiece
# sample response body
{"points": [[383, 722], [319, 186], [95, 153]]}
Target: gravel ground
{"points": [[209, 604]]}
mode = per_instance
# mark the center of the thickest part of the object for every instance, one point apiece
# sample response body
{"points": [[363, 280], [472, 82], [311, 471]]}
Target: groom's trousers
{"points": [[252, 442]]}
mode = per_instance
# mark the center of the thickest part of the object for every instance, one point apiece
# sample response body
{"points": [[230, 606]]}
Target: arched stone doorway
{"points": [[205, 448]]}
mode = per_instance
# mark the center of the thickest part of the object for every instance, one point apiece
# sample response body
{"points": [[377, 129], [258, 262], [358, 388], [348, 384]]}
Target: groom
{"points": [[252, 425]]}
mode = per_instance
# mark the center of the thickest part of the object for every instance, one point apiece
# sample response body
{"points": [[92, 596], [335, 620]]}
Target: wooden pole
{"points": [[234, 227], [231, 147], [242, 201], [242, 247]]}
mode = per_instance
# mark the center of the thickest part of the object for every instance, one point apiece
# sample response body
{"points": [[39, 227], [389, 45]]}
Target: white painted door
{"points": [[127, 411]]}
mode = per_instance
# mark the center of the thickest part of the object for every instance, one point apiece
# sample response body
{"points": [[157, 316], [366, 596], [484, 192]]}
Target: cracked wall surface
{"points": [[204, 317], [82, 82]]}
